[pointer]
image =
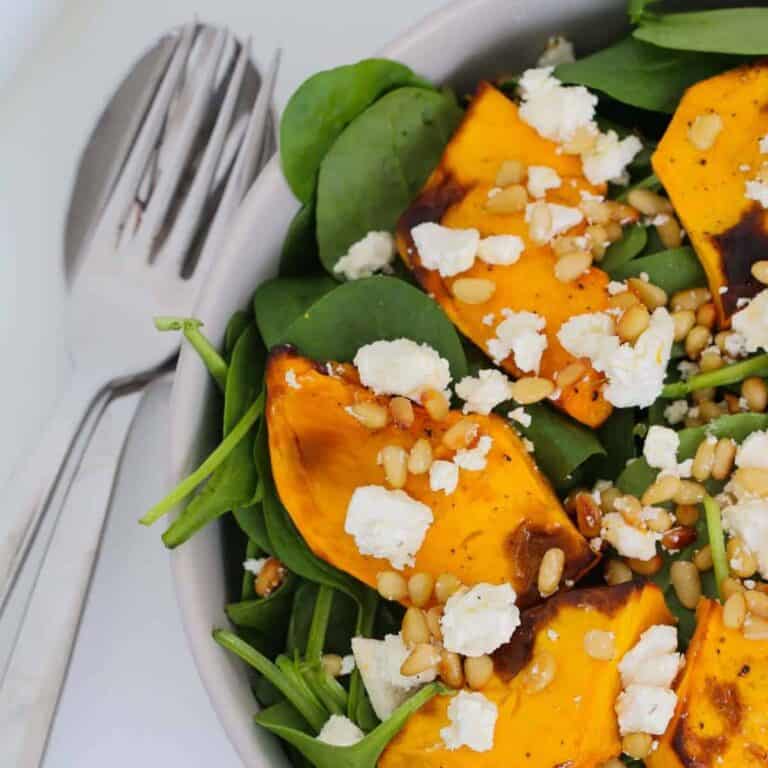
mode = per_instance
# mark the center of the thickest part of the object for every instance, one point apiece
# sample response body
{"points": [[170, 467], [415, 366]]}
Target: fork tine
{"points": [[243, 170], [132, 174], [185, 225]]}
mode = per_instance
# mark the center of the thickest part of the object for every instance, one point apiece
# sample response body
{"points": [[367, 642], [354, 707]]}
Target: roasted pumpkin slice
{"points": [[722, 704], [567, 721], [709, 152], [495, 527], [456, 195]]}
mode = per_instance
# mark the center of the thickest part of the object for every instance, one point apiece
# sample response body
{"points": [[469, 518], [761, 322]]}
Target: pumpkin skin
{"points": [[494, 528], [572, 721], [722, 715], [728, 231], [455, 196]]}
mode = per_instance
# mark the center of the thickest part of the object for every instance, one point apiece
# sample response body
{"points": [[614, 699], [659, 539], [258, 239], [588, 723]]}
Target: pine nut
{"points": [[478, 671], [630, 509], [658, 519], [394, 459], [614, 762], [731, 586], [683, 320], [690, 493], [600, 645], [706, 315], [473, 290], [608, 499], [402, 411], [735, 611], [597, 236], [422, 658], [551, 571], [571, 374], [532, 389], [704, 130], [686, 581], [710, 361], [759, 271], [709, 411], [270, 577], [512, 199], [678, 538], [621, 212], [754, 391], [670, 233], [331, 664], [420, 587], [539, 673], [614, 231], [415, 630], [720, 340], [691, 298], [752, 480], [704, 460], [702, 558], [693, 421], [732, 401], [391, 585], [617, 572], [651, 295], [589, 515], [461, 434], [565, 244], [702, 395], [687, 514], [757, 603], [436, 404], [664, 488], [646, 567], [697, 340], [582, 141], [741, 561], [755, 628], [596, 211], [445, 586], [420, 457], [572, 266], [648, 202], [637, 745], [450, 669], [623, 301], [633, 322], [434, 615], [370, 414], [510, 172], [540, 226]]}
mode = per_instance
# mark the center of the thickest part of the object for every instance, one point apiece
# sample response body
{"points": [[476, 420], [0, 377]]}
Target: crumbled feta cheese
{"points": [[500, 249], [552, 635], [479, 620], [735, 345], [645, 709], [615, 287], [758, 191], [687, 369], [541, 178], [745, 167], [609, 158], [749, 521], [402, 367], [660, 448], [254, 565], [472, 722], [752, 322], [388, 524], [374, 253], [347, 665], [555, 111], [653, 660], [591, 335], [519, 334], [763, 144], [628, 540], [291, 380], [485, 391], [528, 445], [559, 50], [443, 476], [563, 217], [489, 319], [520, 416], [340, 731], [449, 251], [753, 452], [474, 459], [676, 412]]}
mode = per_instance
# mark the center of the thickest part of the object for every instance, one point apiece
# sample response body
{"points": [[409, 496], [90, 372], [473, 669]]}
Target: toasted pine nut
{"points": [[434, 615], [670, 233], [684, 577], [706, 393], [704, 130], [596, 211], [630, 509], [648, 202], [532, 389], [420, 457], [370, 414], [706, 315], [394, 459], [510, 172], [600, 645], [734, 611], [402, 411], [565, 244], [678, 538], [755, 628], [614, 762], [613, 231], [690, 493], [687, 514], [697, 340], [711, 361], [752, 479], [720, 340], [757, 603], [683, 321], [540, 226], [551, 571], [597, 236], [461, 434], [572, 266], [646, 567], [725, 453], [702, 558], [704, 459], [512, 199], [571, 374], [445, 586], [582, 141], [436, 404], [732, 401], [633, 322], [608, 499], [691, 298], [422, 658], [617, 572], [759, 271], [741, 561], [730, 586], [637, 745], [391, 585], [539, 673], [589, 515], [420, 587], [331, 663], [658, 519], [270, 577], [754, 391], [663, 489], [473, 290], [709, 410], [415, 630], [478, 671], [450, 670], [651, 295]]}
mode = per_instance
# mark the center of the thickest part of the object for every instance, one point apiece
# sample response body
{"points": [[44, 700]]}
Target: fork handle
{"points": [[28, 492]]}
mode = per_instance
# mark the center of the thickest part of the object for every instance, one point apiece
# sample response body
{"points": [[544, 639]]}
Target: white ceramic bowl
{"points": [[466, 41]]}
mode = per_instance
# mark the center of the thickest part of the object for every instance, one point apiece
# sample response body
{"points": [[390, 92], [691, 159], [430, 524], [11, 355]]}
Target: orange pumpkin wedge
{"points": [[495, 527], [722, 705], [569, 722], [455, 196], [707, 184]]}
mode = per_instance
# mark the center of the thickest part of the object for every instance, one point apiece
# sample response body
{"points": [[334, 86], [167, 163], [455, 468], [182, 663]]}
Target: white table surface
{"points": [[132, 695]]}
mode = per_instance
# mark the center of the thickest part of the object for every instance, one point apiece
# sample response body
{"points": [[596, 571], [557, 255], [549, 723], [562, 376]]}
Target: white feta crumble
{"points": [[443, 476], [749, 521], [528, 445], [485, 391], [735, 345], [347, 665], [474, 459], [615, 288], [449, 251], [489, 319], [609, 158], [472, 722], [753, 452], [541, 178], [763, 145], [553, 635], [757, 190], [752, 322], [687, 369], [402, 367], [590, 335], [628, 540], [374, 253], [502, 250], [388, 524], [563, 217], [676, 412], [340, 731], [645, 709], [291, 380], [520, 416], [660, 448], [559, 50], [519, 334], [254, 565]]}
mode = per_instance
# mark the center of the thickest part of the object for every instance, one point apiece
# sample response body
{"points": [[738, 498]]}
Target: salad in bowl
{"points": [[493, 463]]}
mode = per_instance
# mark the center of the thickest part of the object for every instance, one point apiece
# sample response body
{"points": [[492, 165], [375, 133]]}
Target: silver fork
{"points": [[190, 164]]}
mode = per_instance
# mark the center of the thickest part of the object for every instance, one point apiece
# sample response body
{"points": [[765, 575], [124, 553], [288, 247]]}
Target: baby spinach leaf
{"points": [[239, 321], [267, 614], [616, 436], [363, 311], [299, 255], [278, 302], [672, 270], [723, 30], [323, 105], [244, 377], [378, 164], [728, 374], [637, 10], [642, 75], [631, 244], [251, 521]]}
